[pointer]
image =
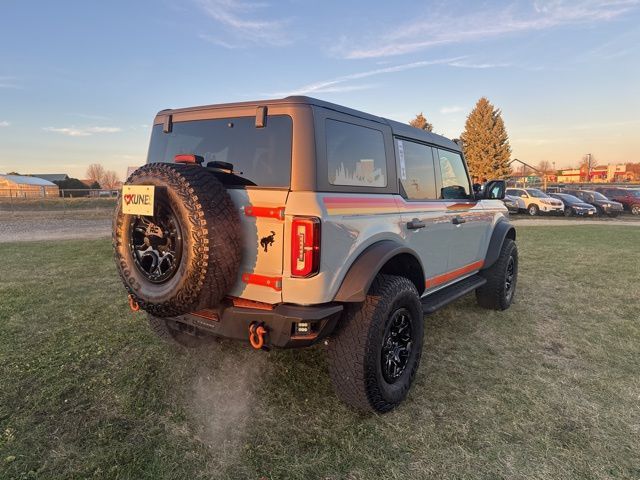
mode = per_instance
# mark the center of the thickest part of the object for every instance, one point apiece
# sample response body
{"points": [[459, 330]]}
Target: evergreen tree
{"points": [[485, 142], [421, 123]]}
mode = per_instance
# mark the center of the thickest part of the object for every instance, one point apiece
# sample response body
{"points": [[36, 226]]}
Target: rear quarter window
{"points": [[355, 155]]}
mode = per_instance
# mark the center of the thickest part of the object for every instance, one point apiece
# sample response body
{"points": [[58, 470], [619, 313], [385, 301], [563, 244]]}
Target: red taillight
{"points": [[305, 246], [188, 158]]}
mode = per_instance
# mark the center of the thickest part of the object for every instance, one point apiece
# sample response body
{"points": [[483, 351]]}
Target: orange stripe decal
{"points": [[263, 280], [447, 277], [370, 205], [266, 212]]}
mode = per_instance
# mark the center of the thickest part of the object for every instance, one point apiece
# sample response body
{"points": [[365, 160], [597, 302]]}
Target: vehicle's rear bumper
{"points": [[280, 323]]}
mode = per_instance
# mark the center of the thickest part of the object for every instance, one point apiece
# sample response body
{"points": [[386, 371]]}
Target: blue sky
{"points": [[80, 81]]}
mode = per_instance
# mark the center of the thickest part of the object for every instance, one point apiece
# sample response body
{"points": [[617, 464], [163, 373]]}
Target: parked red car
{"points": [[628, 197]]}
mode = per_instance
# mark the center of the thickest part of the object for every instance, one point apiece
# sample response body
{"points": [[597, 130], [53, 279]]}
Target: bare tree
{"points": [[545, 167], [110, 179], [95, 173], [589, 161]]}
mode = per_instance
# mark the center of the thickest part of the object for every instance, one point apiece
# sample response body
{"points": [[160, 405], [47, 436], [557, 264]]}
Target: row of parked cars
{"points": [[603, 201]]}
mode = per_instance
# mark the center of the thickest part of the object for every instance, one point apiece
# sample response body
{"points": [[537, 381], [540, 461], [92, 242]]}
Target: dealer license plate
{"points": [[138, 199]]}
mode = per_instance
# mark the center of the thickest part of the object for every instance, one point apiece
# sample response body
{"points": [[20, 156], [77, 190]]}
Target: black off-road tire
{"points": [[494, 294], [210, 239], [170, 332], [355, 349]]}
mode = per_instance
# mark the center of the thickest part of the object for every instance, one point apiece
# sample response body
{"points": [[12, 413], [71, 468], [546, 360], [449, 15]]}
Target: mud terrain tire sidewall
{"points": [[210, 230], [355, 349], [492, 295]]}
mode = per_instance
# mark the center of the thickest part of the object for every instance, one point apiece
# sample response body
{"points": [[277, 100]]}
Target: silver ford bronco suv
{"points": [[290, 222]]}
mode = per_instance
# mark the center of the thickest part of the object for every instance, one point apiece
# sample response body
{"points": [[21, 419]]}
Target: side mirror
{"points": [[494, 190]]}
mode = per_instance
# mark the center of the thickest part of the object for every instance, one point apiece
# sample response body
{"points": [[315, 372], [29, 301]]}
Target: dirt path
{"points": [[43, 225], [96, 223]]}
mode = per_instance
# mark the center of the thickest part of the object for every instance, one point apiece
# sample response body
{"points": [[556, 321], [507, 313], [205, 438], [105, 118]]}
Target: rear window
{"points": [[260, 156]]}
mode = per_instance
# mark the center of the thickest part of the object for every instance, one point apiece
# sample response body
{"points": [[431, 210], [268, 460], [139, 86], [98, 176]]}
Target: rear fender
{"points": [[372, 261]]}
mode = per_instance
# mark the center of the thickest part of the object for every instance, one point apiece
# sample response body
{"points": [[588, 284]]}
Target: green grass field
{"points": [[548, 389]]}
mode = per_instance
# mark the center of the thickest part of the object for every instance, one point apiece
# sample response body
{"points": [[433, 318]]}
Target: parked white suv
{"points": [[534, 201]]}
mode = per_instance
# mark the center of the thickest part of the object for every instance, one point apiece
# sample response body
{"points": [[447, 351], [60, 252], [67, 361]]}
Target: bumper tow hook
{"points": [[257, 333], [133, 305]]}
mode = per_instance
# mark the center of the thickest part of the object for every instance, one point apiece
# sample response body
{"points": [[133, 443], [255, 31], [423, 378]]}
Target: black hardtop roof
{"points": [[398, 128]]}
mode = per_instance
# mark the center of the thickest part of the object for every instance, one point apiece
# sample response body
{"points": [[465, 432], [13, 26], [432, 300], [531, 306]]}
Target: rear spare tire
{"points": [[186, 257]]}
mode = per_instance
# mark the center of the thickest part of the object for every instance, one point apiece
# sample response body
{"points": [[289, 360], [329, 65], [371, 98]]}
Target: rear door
{"points": [[424, 217]]}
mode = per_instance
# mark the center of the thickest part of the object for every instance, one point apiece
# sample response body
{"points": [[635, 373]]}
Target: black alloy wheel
{"points": [[509, 279], [396, 345], [156, 244]]}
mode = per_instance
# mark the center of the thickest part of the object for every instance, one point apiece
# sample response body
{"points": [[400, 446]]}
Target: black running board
{"points": [[444, 297]]}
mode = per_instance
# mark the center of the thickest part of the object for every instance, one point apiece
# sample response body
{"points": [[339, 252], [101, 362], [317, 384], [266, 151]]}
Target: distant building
{"points": [[52, 177], [21, 186], [598, 174]]}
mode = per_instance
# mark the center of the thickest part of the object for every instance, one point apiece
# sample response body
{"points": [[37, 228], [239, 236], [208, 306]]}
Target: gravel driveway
{"points": [[96, 223], [43, 225]]}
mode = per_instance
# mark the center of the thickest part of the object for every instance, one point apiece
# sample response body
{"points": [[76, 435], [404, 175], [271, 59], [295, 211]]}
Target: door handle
{"points": [[415, 224], [458, 220]]}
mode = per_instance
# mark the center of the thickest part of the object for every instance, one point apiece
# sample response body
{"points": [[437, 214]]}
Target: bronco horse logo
{"points": [[268, 241]]}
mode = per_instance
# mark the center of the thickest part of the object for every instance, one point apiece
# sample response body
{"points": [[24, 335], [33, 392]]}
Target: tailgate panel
{"points": [[260, 275]]}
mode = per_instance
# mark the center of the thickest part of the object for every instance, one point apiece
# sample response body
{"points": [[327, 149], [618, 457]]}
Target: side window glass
{"points": [[417, 173], [455, 183], [355, 155]]}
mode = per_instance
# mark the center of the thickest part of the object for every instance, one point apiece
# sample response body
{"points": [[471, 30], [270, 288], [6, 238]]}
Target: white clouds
{"points": [[447, 28], [242, 24], [479, 65], [450, 110], [336, 84], [82, 132], [4, 123]]}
